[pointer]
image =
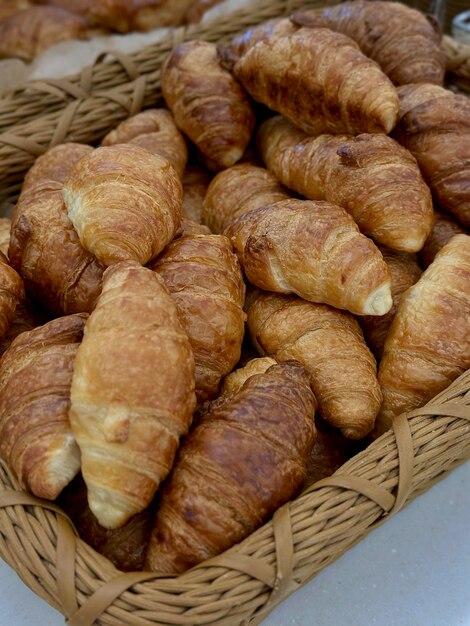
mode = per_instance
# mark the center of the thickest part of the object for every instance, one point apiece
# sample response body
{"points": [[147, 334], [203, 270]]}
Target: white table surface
{"points": [[412, 571]]}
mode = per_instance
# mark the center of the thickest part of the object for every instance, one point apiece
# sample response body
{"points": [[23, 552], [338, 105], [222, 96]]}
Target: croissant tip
{"points": [[379, 302]]}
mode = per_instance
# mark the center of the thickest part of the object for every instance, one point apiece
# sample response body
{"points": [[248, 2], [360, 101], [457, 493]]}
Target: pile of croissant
{"points": [[322, 142], [29, 27]]}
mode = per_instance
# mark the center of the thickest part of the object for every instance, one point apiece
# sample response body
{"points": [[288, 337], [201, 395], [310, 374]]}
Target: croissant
{"points": [[371, 176], [124, 203], [444, 229], [27, 33], [189, 227], [5, 227], [236, 191], [234, 381], [331, 347], [9, 7], [132, 393], [26, 317], [125, 547], [44, 248], [126, 15], [428, 345], [435, 127], [405, 272], [403, 41], [35, 376], [156, 131], [204, 278], [219, 491], [277, 27], [210, 107], [11, 293], [319, 80], [195, 183], [315, 250]]}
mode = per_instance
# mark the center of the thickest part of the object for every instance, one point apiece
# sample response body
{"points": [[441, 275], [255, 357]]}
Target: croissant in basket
{"points": [[238, 465], [11, 294], [445, 227]]}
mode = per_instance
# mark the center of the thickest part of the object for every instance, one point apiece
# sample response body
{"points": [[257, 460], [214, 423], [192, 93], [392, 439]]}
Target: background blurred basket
{"points": [[242, 585]]}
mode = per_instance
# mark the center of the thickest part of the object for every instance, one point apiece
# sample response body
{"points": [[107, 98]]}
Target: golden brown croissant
{"points": [[405, 272], [444, 229], [219, 491], [35, 435], [132, 392], [124, 202], [127, 15], [371, 176], [195, 183], [204, 278], [209, 105], [11, 293], [319, 80], [435, 127], [403, 41], [44, 247], [125, 547], [234, 381], [156, 131], [277, 27], [330, 345], [8, 7], [27, 33], [428, 345], [5, 227], [315, 250], [238, 190], [189, 227]]}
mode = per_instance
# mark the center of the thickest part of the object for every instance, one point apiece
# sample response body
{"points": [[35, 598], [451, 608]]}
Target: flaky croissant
{"points": [[35, 377], [124, 202], [132, 392], [238, 190], [319, 80], [315, 250], [195, 183], [435, 127], [428, 345], [402, 40], [375, 179], [44, 247], [27, 33], [445, 227], [11, 293], [234, 381], [205, 281], [330, 345], [241, 462], [156, 131], [209, 105], [405, 272]]}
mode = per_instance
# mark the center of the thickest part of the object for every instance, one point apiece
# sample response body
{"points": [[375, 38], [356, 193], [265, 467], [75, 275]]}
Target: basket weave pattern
{"points": [[242, 585]]}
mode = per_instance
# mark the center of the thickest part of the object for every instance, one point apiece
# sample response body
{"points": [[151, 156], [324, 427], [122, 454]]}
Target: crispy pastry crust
{"points": [[445, 227]]}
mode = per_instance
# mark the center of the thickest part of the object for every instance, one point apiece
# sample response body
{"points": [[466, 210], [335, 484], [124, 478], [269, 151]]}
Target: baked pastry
{"points": [[156, 131], [132, 393], [11, 293], [219, 491], [375, 179], [44, 247], [205, 281], [234, 381], [27, 33], [195, 183], [5, 227], [428, 345], [26, 317], [35, 376], [435, 127], [236, 191], [403, 41], [9, 7], [124, 202], [315, 250], [189, 227], [445, 227], [209, 106], [330, 345], [405, 272], [319, 80]]}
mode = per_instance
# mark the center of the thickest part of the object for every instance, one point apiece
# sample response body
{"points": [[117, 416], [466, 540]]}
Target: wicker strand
{"points": [[244, 584]]}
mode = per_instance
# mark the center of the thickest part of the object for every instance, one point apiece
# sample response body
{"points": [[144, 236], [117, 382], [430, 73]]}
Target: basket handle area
{"points": [[245, 583]]}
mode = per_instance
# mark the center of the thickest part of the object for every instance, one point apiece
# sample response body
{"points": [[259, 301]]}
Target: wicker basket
{"points": [[242, 585]]}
